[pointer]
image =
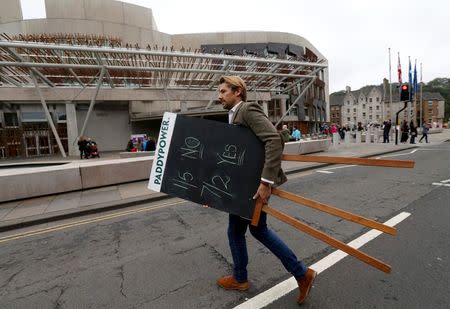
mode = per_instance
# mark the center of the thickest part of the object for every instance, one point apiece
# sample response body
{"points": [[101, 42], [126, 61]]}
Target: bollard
{"points": [[347, 138], [368, 136], [335, 139], [358, 137], [375, 136]]}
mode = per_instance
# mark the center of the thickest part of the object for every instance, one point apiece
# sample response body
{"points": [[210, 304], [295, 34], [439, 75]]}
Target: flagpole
{"points": [[390, 88], [415, 91], [410, 90], [421, 99]]}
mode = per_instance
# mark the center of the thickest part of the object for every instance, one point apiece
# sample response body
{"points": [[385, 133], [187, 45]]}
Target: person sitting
{"points": [[151, 145], [129, 145], [296, 134]]}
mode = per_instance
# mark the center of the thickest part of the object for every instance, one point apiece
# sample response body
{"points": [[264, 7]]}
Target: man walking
{"points": [[386, 131], [424, 132], [232, 95]]}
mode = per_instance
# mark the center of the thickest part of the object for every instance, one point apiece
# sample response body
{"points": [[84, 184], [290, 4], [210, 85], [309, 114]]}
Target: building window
{"points": [[348, 102], [364, 115], [348, 110], [33, 117], [430, 103], [370, 108], [378, 99], [348, 118], [378, 116], [378, 107], [354, 110], [370, 100], [370, 117], [364, 105], [11, 120]]}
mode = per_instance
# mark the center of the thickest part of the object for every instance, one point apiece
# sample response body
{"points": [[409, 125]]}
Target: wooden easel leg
{"points": [[257, 212], [327, 239], [346, 160], [334, 211]]}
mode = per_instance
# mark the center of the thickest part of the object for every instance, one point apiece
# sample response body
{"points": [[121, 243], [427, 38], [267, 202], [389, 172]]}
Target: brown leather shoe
{"points": [[305, 284], [229, 283]]}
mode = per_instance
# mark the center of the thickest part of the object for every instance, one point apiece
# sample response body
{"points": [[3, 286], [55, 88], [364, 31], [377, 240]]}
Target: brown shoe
{"points": [[305, 284], [229, 283]]}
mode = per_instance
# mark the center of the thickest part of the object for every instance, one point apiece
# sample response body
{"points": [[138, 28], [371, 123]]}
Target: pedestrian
{"points": [[129, 145], [404, 129], [151, 144], [233, 95], [82, 147], [285, 134], [386, 131], [333, 128], [296, 134], [413, 132], [424, 132]]}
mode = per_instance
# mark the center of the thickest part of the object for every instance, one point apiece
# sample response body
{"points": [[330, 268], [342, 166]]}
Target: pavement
{"points": [[28, 212]]}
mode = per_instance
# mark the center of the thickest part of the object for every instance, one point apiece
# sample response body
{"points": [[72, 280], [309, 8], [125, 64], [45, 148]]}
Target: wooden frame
{"points": [[346, 160], [331, 210]]}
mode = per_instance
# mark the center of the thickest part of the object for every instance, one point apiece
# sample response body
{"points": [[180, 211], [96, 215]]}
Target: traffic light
{"points": [[404, 92]]}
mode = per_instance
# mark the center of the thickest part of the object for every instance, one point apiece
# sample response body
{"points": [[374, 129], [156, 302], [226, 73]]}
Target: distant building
{"points": [[433, 108], [336, 101], [364, 105], [371, 105]]}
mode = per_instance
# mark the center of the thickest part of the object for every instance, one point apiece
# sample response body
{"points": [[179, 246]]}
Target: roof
{"points": [[432, 96], [337, 98], [67, 65]]}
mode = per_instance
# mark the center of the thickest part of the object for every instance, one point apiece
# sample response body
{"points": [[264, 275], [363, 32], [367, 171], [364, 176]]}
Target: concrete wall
{"points": [[108, 125], [132, 23], [101, 10], [11, 11], [31, 182], [105, 173]]}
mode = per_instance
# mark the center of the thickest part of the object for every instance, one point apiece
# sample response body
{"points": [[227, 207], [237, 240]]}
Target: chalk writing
{"points": [[192, 148], [231, 155], [184, 180], [218, 185]]}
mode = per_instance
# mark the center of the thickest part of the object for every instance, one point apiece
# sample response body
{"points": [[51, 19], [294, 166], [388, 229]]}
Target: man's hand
{"points": [[264, 191]]}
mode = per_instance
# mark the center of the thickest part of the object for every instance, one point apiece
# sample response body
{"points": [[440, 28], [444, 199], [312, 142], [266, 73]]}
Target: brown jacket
{"points": [[252, 116]]}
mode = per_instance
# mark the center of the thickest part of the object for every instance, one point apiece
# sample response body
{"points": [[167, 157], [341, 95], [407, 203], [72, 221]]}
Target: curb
{"points": [[78, 212], [107, 206]]}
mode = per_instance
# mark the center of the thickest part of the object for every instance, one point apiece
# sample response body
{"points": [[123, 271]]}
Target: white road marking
{"points": [[441, 184], [445, 181], [324, 172], [399, 154], [327, 171], [267, 297]]}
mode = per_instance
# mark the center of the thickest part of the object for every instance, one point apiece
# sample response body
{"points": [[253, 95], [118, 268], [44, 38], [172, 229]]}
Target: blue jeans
{"points": [[237, 228]]}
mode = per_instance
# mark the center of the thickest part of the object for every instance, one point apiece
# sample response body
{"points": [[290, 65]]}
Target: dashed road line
{"points": [[327, 170], [441, 184]]}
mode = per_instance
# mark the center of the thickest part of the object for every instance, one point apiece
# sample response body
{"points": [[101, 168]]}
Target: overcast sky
{"points": [[354, 35]]}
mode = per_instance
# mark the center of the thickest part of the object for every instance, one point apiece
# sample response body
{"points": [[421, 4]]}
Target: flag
{"points": [[415, 78], [399, 70], [410, 73], [410, 79]]}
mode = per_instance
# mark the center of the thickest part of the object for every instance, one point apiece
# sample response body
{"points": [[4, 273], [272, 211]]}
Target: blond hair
{"points": [[235, 83]]}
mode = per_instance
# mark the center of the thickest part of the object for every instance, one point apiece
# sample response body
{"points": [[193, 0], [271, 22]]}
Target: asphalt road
{"points": [[169, 254]]}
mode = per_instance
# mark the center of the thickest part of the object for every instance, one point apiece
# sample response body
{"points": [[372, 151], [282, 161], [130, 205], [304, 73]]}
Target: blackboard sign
{"points": [[208, 162]]}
